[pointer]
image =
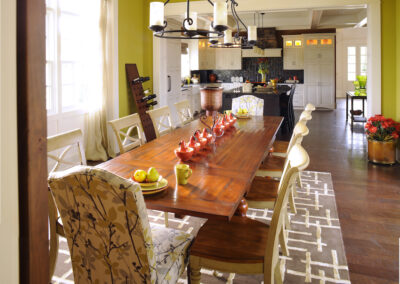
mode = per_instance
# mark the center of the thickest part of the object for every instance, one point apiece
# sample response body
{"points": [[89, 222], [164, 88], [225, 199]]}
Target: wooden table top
{"points": [[353, 94], [222, 174]]}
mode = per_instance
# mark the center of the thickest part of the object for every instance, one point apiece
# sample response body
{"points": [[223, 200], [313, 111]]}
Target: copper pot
{"points": [[211, 99], [382, 152]]}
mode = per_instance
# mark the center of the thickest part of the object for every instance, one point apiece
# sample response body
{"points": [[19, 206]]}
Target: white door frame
{"points": [[9, 212], [374, 30]]}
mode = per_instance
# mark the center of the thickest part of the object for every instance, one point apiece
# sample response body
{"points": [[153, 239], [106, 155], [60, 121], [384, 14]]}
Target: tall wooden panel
{"points": [[132, 73], [32, 147]]}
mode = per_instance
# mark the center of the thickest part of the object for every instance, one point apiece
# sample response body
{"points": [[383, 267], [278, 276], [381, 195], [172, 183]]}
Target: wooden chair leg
{"points": [[283, 242], [166, 219], [195, 268], [53, 254]]}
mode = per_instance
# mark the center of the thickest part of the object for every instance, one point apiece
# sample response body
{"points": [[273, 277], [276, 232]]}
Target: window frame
{"points": [[56, 97]]}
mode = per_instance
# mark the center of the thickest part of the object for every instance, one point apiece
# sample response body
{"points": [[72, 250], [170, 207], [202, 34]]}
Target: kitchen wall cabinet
{"points": [[203, 57], [319, 70], [293, 52], [268, 52], [228, 58]]}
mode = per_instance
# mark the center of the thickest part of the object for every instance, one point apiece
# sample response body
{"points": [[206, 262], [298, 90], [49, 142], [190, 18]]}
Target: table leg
{"points": [[242, 208], [351, 115], [347, 107], [363, 102]]}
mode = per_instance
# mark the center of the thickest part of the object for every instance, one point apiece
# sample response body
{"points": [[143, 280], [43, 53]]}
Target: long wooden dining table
{"points": [[222, 173]]}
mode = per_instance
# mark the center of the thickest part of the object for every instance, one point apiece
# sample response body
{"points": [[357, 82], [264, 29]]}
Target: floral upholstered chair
{"points": [[254, 105], [109, 236]]}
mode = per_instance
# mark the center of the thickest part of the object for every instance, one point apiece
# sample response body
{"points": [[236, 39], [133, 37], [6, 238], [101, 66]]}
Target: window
{"points": [[289, 43], [312, 42], [357, 62], [326, 41], [185, 61], [351, 63], [363, 60], [298, 42], [73, 54]]}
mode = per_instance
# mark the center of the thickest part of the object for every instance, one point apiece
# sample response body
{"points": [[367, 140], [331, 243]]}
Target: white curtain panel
{"points": [[98, 78]]}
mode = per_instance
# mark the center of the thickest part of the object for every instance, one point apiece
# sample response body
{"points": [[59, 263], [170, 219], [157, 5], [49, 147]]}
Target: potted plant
{"points": [[382, 134], [263, 68]]}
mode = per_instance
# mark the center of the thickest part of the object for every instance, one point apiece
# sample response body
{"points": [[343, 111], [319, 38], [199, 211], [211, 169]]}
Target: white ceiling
{"points": [[294, 19]]}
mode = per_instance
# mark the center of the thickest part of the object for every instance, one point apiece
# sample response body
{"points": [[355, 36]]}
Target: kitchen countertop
{"points": [[279, 90]]}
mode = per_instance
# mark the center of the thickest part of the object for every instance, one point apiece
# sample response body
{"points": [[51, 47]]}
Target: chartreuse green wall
{"points": [[135, 45], [390, 29]]}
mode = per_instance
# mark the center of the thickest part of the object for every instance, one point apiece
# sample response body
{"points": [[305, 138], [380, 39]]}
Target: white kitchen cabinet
{"points": [[167, 73], [293, 52], [268, 52], [228, 58], [319, 70], [206, 56], [203, 57], [298, 98]]}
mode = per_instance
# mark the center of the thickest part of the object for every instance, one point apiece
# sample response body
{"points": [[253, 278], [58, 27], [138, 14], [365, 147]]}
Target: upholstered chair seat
{"points": [[171, 250]]}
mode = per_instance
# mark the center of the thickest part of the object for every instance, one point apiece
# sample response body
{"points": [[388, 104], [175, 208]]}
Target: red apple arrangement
{"points": [[184, 153]]}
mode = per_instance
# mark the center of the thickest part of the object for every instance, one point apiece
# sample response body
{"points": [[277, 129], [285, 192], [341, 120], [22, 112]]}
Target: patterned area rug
{"points": [[315, 240]]}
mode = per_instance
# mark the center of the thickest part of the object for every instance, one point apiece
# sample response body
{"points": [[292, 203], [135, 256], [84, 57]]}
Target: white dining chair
{"points": [[305, 116], [64, 151], [229, 247], [254, 105], [282, 148], [130, 128], [161, 118], [264, 191], [310, 108], [184, 111]]}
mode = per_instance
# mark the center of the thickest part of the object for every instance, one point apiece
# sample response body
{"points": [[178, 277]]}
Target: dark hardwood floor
{"points": [[367, 195]]}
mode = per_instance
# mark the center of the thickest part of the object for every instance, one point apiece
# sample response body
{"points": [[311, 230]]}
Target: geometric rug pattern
{"points": [[316, 250]]}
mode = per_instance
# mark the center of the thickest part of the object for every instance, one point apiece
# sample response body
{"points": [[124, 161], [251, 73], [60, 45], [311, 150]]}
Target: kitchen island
{"points": [[273, 100]]}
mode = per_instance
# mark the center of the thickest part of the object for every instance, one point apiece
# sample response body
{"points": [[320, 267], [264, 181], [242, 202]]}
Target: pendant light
{"points": [[189, 29]]}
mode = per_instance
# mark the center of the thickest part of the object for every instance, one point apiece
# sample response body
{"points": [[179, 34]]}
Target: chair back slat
{"points": [[106, 226], [65, 150], [130, 129]]}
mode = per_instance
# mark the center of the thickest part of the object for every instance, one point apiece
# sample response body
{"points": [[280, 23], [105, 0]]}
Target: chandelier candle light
{"points": [[190, 30]]}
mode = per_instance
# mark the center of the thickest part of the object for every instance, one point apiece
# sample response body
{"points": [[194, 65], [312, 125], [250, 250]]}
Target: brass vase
{"points": [[382, 152]]}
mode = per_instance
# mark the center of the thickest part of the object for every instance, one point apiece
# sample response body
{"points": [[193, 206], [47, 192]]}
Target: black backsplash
{"points": [[250, 71]]}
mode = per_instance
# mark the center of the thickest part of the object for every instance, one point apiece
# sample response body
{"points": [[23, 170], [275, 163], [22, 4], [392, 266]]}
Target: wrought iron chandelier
{"points": [[218, 28], [237, 40]]}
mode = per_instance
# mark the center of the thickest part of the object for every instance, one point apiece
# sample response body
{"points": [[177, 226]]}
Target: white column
{"points": [[374, 91], [9, 222]]}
